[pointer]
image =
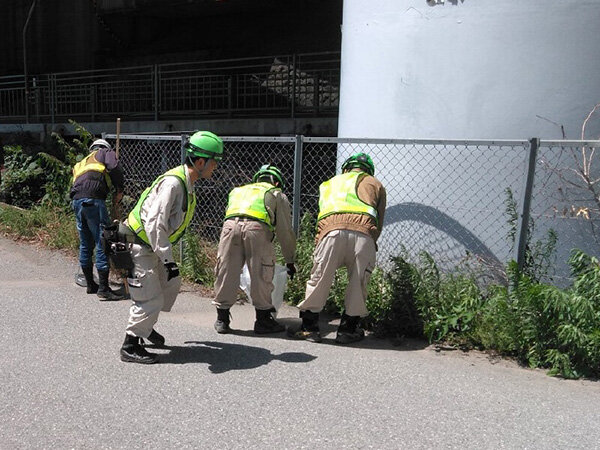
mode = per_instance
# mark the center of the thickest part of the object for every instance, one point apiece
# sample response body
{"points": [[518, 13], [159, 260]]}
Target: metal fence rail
{"points": [[283, 85], [460, 201]]}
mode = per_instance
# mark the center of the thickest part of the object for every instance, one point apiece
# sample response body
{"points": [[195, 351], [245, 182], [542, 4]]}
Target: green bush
{"points": [[544, 326], [42, 178], [198, 260], [392, 303], [23, 180], [540, 324]]}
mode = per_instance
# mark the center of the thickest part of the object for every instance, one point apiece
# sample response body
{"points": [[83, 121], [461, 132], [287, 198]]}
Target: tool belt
{"points": [[117, 246], [126, 234]]}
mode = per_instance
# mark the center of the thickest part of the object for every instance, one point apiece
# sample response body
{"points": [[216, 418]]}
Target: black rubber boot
{"points": [[222, 323], [265, 323], [309, 329], [348, 331], [133, 351], [104, 291], [156, 338], [91, 285]]}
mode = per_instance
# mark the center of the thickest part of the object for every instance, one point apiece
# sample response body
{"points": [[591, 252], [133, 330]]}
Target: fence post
{"points": [[524, 214], [184, 139], [297, 182]]}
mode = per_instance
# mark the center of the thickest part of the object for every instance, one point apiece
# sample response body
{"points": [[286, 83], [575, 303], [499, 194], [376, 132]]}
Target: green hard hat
{"points": [[268, 169], [361, 161], [205, 144]]}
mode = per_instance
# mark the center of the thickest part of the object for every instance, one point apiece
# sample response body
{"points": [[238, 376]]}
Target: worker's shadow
{"points": [[223, 357], [328, 326]]}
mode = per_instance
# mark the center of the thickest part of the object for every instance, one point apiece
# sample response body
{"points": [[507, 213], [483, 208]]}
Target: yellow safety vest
{"points": [[90, 163], [134, 219], [249, 201], [338, 196]]}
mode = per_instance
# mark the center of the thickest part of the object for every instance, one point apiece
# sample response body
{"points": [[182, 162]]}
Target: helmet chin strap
{"points": [[195, 169]]}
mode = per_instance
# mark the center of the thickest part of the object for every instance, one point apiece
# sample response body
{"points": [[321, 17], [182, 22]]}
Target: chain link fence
{"points": [[461, 201]]}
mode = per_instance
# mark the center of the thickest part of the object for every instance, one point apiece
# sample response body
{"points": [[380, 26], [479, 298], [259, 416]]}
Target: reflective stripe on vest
{"points": [[134, 219], [249, 201], [88, 164], [338, 195]]}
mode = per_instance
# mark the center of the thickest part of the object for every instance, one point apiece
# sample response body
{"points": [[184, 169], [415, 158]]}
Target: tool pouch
{"points": [[117, 251]]}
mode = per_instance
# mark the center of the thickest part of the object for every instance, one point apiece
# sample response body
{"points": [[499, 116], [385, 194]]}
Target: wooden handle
{"points": [[118, 136]]}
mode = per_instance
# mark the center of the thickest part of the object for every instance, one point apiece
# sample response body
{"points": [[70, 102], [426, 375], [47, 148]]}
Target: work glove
{"points": [[172, 270], [291, 270]]}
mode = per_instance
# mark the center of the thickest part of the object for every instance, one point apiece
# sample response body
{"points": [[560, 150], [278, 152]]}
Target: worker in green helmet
{"points": [[351, 212], [256, 213], [156, 223]]}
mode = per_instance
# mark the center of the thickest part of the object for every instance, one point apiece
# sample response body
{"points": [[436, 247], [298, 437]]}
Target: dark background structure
{"points": [[67, 35]]}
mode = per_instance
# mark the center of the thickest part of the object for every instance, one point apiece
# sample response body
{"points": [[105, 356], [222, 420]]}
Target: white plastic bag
{"points": [[279, 285]]}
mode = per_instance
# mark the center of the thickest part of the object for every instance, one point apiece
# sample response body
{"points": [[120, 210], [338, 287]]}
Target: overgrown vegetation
{"points": [[545, 326], [198, 259], [42, 179], [540, 255]]}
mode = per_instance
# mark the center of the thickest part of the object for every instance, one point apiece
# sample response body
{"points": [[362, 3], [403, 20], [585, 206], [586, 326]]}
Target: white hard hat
{"points": [[100, 143]]}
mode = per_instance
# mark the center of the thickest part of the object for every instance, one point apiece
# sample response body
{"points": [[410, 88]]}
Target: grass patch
{"points": [[49, 225]]}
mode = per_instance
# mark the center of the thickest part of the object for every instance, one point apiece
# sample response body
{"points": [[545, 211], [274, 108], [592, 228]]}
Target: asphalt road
{"points": [[63, 385]]}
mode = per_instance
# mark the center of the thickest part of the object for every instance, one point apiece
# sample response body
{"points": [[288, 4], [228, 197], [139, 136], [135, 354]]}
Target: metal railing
{"points": [[463, 202], [283, 86]]}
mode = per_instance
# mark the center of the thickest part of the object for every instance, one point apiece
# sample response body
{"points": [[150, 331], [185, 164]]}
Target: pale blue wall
{"points": [[473, 69]]}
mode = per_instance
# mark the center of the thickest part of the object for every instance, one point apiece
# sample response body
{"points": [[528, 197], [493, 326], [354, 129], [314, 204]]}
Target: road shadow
{"points": [[222, 357], [287, 322], [328, 326]]}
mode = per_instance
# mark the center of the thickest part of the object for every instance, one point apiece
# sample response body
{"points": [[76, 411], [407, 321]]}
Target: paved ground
{"points": [[63, 385]]}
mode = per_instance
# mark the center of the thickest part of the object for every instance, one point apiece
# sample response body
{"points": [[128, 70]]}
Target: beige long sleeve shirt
{"points": [[280, 212], [163, 212]]}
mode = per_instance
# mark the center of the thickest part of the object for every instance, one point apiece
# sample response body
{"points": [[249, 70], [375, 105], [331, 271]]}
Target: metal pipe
{"points": [[525, 213], [184, 140], [25, 60], [297, 183]]}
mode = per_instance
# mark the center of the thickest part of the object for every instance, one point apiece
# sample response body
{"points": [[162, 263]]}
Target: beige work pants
{"points": [[150, 291], [249, 241], [354, 250]]}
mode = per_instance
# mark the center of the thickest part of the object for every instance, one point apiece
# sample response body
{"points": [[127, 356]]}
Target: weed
{"points": [[199, 258], [304, 252], [540, 255]]}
